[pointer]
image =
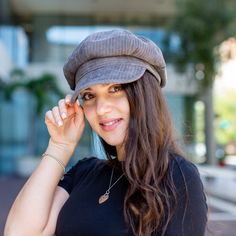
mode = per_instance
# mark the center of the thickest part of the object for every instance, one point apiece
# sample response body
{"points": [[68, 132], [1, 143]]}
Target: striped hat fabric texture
{"points": [[115, 56]]}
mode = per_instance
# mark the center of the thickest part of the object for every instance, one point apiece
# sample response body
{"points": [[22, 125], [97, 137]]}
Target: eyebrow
{"points": [[88, 89]]}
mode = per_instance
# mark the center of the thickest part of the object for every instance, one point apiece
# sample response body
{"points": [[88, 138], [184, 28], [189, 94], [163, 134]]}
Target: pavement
{"points": [[9, 188], [220, 188], [219, 183]]}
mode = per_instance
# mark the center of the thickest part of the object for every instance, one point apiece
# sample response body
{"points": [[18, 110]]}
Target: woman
{"points": [[145, 187]]}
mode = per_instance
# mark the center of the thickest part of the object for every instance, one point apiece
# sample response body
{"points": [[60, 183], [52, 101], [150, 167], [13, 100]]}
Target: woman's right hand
{"points": [[65, 123]]}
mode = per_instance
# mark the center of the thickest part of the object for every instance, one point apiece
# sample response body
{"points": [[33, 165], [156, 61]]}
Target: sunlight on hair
{"points": [[97, 148]]}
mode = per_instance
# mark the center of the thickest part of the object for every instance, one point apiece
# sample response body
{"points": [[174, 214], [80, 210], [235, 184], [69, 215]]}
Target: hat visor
{"points": [[119, 73]]}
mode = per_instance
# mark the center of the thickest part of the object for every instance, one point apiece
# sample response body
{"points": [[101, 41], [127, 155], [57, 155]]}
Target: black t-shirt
{"points": [[82, 215]]}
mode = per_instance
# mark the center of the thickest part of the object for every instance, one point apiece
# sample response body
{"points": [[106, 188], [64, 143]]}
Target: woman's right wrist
{"points": [[62, 152]]}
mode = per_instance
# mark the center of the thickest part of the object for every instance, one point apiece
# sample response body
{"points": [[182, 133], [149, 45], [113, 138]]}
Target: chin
{"points": [[113, 142], [114, 139]]}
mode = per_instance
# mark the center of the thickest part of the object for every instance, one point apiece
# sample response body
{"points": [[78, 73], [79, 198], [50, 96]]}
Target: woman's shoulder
{"points": [[85, 161], [191, 199], [183, 165], [88, 164], [185, 173]]}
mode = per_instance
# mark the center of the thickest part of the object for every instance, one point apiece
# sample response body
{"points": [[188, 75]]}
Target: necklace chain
{"points": [[110, 186], [105, 196]]}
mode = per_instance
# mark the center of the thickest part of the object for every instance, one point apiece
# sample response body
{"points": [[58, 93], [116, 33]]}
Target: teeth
{"points": [[110, 123]]}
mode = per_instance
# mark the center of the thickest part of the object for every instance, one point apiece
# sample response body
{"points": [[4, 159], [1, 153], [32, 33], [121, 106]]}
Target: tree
{"points": [[225, 121], [202, 25], [44, 90]]}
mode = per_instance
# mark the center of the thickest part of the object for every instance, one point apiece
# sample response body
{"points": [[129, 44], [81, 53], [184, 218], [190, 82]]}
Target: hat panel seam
{"points": [[116, 43], [139, 63], [81, 86], [103, 67], [121, 52]]}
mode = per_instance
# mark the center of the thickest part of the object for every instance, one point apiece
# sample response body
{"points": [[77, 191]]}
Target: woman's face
{"points": [[107, 110]]}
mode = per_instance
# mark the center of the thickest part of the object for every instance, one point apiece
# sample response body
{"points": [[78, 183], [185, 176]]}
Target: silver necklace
{"points": [[105, 196]]}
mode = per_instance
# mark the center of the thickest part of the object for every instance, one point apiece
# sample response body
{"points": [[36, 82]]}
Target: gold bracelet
{"points": [[56, 159]]}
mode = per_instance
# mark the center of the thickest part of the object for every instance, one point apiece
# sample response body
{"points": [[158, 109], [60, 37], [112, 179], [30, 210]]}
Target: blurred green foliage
{"points": [[225, 108], [42, 88], [202, 25]]}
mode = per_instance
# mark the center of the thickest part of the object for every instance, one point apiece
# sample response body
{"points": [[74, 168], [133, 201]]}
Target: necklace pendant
{"points": [[103, 198]]}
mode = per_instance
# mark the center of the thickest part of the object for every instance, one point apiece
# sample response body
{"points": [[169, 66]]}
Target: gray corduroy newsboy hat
{"points": [[116, 56]]}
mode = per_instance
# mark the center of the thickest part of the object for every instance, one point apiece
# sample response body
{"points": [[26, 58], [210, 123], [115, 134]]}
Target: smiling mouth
{"points": [[110, 122], [111, 125]]}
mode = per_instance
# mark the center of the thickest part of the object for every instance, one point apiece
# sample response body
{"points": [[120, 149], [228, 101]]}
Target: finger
{"points": [[68, 99], [57, 116], [78, 107], [62, 108], [49, 117], [78, 111]]}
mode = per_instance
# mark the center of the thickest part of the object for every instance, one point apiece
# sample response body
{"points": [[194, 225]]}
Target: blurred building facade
{"points": [[38, 36]]}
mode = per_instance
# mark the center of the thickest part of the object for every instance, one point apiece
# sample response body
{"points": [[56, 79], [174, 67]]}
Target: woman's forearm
{"points": [[31, 209]]}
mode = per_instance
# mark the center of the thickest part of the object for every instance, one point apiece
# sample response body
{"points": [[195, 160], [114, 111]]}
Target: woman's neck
{"points": [[120, 153]]}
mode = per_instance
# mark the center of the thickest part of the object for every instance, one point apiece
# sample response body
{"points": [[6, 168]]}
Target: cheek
{"points": [[124, 106], [89, 115]]}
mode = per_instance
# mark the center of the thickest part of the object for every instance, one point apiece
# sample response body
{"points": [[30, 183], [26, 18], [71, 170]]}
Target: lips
{"points": [[111, 124]]}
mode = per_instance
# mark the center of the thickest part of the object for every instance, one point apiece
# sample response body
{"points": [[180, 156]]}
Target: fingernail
{"points": [[67, 100], [63, 115], [59, 123]]}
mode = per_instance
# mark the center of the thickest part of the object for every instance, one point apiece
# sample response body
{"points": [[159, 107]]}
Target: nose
{"points": [[103, 106]]}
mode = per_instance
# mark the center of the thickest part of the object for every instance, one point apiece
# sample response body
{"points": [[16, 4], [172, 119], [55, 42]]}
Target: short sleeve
{"points": [[190, 216], [76, 172]]}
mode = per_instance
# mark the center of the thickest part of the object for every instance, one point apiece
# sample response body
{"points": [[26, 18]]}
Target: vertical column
{"points": [[5, 12]]}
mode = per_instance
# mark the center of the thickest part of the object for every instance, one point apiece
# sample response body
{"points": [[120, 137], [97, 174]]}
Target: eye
{"points": [[87, 96], [116, 88]]}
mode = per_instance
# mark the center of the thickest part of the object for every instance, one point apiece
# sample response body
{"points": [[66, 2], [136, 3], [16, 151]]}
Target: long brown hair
{"points": [[151, 196]]}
